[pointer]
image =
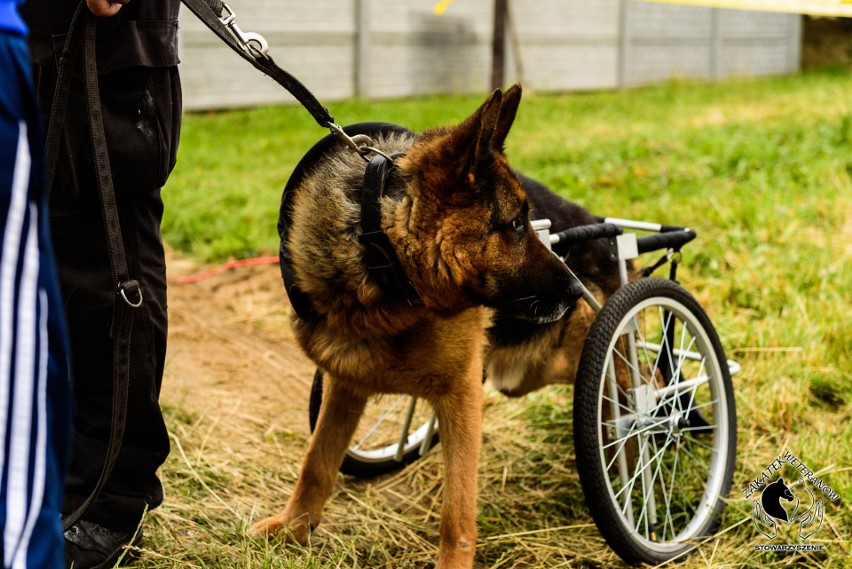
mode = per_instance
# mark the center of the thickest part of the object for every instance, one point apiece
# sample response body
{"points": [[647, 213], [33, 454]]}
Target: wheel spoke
{"points": [[658, 471], [698, 429], [671, 489], [657, 453], [623, 407], [665, 321], [626, 361], [693, 440], [703, 405], [633, 433], [635, 476], [403, 435], [378, 423]]}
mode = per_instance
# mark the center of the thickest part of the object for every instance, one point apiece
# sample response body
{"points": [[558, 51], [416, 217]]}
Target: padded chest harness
{"points": [[378, 255]]}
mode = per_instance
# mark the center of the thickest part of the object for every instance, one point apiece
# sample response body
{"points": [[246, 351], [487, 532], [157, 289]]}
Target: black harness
{"points": [[378, 255]]}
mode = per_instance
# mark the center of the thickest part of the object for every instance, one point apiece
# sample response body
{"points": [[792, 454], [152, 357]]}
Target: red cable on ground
{"points": [[189, 279]]}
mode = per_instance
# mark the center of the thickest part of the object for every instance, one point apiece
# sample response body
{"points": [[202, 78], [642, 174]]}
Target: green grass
{"points": [[761, 169], [744, 157]]}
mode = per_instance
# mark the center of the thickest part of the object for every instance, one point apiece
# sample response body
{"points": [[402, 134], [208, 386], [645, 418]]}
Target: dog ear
{"points": [[476, 134], [508, 111]]}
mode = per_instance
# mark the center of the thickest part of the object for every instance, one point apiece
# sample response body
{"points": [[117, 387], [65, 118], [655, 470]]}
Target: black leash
{"points": [[221, 20], [127, 288], [59, 105]]}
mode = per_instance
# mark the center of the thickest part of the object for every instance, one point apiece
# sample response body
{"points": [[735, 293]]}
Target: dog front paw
{"points": [[292, 531]]}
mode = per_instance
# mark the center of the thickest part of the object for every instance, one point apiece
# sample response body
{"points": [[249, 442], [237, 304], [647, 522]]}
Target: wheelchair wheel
{"points": [[395, 431], [654, 422]]}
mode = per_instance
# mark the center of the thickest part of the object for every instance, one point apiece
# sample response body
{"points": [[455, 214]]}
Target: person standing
{"points": [[139, 89], [34, 381]]}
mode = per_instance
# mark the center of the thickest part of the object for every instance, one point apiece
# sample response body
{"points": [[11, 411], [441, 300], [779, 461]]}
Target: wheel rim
{"points": [[392, 427], [663, 427]]}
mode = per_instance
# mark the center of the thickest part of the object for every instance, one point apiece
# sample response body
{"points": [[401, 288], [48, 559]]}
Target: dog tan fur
{"points": [[458, 219]]}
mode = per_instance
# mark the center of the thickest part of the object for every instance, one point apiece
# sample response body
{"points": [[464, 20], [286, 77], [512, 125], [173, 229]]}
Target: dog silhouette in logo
{"points": [[766, 519]]}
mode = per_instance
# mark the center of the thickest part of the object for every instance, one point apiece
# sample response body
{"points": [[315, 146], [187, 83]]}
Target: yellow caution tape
{"points": [[442, 6], [837, 8]]}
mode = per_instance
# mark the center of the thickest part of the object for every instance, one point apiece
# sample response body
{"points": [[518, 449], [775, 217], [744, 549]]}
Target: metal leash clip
{"points": [[360, 144], [254, 44]]}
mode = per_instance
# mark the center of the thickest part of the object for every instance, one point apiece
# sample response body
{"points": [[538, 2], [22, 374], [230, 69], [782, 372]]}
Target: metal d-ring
{"points": [[366, 150], [133, 286]]}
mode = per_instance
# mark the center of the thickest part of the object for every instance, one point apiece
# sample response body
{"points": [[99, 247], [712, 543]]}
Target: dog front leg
{"points": [[460, 426], [341, 410]]}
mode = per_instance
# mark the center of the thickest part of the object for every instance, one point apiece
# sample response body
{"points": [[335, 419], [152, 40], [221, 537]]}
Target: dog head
{"points": [[465, 236]]}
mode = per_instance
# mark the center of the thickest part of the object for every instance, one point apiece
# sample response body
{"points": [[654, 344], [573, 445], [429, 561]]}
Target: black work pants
{"points": [[141, 111]]}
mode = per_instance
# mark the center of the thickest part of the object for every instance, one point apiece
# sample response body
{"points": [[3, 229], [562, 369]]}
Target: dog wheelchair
{"points": [[654, 413]]}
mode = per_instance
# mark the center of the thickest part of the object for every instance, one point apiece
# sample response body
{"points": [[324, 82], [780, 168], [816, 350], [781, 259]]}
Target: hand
{"points": [[813, 522], [105, 8], [764, 524]]}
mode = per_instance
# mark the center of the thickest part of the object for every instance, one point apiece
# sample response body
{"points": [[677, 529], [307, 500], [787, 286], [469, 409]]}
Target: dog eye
{"points": [[519, 223]]}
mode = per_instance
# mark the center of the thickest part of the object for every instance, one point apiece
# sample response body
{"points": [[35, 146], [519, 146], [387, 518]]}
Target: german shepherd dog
{"points": [[524, 355], [458, 220]]}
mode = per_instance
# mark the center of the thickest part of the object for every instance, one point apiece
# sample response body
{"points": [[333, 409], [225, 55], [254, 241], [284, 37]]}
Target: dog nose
{"points": [[575, 289], [569, 286]]}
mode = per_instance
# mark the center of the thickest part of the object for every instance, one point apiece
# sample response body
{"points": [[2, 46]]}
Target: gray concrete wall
{"points": [[399, 48]]}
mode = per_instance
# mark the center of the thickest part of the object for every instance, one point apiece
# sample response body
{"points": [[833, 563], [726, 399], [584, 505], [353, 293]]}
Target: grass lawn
{"points": [[762, 169]]}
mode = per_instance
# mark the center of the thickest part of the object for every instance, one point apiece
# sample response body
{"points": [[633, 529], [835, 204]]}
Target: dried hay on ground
{"points": [[236, 399]]}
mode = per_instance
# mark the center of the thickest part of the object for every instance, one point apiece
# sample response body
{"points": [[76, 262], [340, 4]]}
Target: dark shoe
{"points": [[92, 546]]}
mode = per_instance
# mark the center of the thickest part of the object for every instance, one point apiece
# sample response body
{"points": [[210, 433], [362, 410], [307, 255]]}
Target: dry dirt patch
{"points": [[231, 350]]}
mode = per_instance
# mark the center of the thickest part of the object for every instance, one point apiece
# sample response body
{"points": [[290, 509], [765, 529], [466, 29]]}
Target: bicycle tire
{"points": [[605, 434]]}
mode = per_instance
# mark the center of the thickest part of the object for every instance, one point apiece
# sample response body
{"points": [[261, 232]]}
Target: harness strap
{"points": [[375, 179], [128, 289], [379, 255], [210, 12]]}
